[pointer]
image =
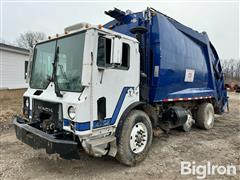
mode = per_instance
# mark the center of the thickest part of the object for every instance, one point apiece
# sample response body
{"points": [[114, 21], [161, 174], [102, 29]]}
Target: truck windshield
{"points": [[69, 63]]}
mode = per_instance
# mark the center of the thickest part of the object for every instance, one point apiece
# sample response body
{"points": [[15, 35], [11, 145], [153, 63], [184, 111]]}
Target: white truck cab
{"points": [[81, 83]]}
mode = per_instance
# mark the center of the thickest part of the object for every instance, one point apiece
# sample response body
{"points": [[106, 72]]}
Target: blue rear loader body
{"points": [[170, 49]]}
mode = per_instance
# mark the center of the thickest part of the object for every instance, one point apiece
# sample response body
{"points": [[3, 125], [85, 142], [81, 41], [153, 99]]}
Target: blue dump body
{"points": [[180, 62]]}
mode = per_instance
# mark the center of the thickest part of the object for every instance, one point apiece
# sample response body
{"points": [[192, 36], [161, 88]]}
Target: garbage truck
{"points": [[104, 89]]}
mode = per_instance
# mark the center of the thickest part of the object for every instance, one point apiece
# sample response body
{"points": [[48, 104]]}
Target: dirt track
{"points": [[220, 146]]}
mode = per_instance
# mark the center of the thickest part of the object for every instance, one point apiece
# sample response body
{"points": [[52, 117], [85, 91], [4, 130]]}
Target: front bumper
{"points": [[38, 139]]}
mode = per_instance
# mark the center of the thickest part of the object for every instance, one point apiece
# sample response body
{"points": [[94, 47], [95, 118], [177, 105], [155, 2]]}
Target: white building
{"points": [[13, 67]]}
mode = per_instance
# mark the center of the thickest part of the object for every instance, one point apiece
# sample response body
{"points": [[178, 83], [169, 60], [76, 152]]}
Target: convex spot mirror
{"points": [[117, 52]]}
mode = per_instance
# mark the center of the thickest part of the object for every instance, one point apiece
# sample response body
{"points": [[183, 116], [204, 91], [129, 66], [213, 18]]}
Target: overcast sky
{"points": [[219, 20]]}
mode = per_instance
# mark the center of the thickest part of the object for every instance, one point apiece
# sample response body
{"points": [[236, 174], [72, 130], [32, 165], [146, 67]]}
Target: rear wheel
{"points": [[205, 116], [134, 138]]}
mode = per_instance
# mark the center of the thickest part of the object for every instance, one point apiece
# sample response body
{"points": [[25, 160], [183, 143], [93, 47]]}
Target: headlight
{"points": [[27, 102], [26, 106], [71, 112]]}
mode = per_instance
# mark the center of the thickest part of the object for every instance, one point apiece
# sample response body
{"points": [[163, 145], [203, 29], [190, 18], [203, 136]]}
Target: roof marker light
{"points": [[100, 26]]}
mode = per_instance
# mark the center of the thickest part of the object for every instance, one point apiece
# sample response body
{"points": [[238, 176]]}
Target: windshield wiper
{"points": [[63, 72], [57, 91]]}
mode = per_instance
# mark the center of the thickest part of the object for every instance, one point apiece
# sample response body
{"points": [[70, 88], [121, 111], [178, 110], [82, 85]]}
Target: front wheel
{"points": [[134, 138]]}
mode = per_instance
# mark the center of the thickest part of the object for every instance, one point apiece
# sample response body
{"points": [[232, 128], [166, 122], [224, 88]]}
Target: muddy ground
{"points": [[220, 146]]}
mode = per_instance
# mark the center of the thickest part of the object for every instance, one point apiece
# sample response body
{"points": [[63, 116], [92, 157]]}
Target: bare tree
{"points": [[231, 68], [238, 70], [29, 39]]}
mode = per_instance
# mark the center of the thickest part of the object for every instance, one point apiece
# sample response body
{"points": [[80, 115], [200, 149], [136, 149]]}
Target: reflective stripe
{"points": [[111, 121], [83, 126], [185, 99], [66, 122]]}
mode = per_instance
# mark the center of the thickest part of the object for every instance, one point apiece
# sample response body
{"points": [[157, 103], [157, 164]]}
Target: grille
{"points": [[48, 112]]}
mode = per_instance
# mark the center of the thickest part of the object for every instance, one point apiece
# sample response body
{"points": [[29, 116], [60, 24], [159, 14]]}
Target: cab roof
{"points": [[85, 27]]}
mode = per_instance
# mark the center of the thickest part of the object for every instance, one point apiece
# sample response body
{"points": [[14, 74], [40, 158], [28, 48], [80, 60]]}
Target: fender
{"points": [[125, 113]]}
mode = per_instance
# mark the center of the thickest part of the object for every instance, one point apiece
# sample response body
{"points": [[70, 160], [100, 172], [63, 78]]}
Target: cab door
{"points": [[114, 76]]}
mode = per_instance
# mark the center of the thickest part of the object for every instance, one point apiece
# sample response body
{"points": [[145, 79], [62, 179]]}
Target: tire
{"points": [[188, 124], [205, 116], [132, 143]]}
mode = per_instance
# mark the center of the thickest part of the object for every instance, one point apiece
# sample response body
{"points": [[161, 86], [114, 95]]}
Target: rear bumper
{"points": [[40, 140]]}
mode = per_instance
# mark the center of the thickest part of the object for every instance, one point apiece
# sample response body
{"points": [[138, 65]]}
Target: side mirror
{"points": [[117, 51], [29, 68]]}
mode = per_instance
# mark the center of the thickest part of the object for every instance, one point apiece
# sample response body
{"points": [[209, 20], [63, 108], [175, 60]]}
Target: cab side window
{"points": [[125, 55], [104, 51]]}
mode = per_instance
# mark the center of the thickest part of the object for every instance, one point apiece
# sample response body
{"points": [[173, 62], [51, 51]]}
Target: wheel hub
{"points": [[189, 121], [209, 117], [138, 138]]}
